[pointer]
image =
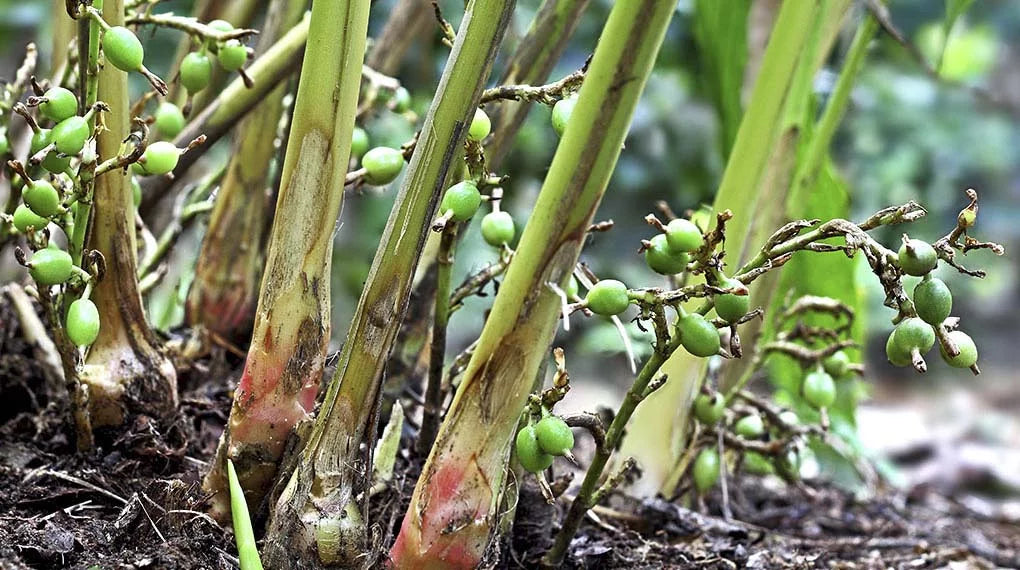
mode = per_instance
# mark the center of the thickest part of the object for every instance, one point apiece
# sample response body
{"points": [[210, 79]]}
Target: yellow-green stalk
{"points": [[317, 517], [224, 293], [454, 508], [291, 333]]}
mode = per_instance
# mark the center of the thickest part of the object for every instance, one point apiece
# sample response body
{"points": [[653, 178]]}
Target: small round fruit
{"points": [[122, 49], [40, 139], [697, 335], [221, 26], [196, 71], [896, 355], [554, 435], [709, 408], [498, 228], [914, 333], [480, 126], [933, 301], [56, 164], [232, 55], [5, 145], [706, 470], [59, 105], [462, 199], [402, 100], [359, 142], [70, 135], [561, 112], [750, 426], [25, 218], [729, 306], [382, 165], [683, 235], [82, 322], [529, 453], [837, 364], [160, 158], [50, 266], [757, 464], [661, 259], [966, 218], [608, 297], [169, 119], [42, 197], [968, 350], [571, 288], [917, 257], [819, 389]]}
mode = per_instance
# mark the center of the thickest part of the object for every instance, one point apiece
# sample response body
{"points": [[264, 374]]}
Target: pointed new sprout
{"points": [[244, 535]]}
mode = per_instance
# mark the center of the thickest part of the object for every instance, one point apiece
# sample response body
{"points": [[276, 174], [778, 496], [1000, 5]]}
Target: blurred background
{"points": [[906, 136]]}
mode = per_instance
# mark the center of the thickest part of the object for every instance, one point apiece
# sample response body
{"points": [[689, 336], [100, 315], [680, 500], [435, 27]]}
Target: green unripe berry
{"points": [[819, 389], [480, 126], [697, 335], [56, 164], [221, 26], [196, 71], [160, 158], [750, 426], [498, 228], [561, 112], [661, 259], [554, 436], [608, 297], [757, 464], [82, 322], [529, 453], [50, 266], [232, 55], [462, 199], [933, 301], [25, 218], [402, 100], [169, 119], [837, 364], [966, 218], [729, 306], [896, 354], [968, 350], [60, 104], [914, 333], [359, 142], [122, 49], [571, 288], [5, 145], [70, 135], [709, 408], [42, 197], [382, 165], [40, 139], [683, 235], [917, 257], [706, 470]]}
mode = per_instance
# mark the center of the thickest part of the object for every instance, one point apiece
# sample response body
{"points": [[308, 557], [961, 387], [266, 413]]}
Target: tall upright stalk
{"points": [[317, 516], [291, 332], [224, 293], [454, 507], [125, 370]]}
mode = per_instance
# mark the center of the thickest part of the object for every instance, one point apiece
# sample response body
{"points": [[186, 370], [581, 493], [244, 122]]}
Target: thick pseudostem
{"points": [[225, 290], [321, 513], [125, 371], [454, 509], [291, 332]]}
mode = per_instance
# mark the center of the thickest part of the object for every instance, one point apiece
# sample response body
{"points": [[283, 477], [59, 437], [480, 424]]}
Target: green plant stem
{"points": [[453, 510], [433, 408], [291, 330], [88, 67], [224, 293], [244, 534], [125, 370], [317, 513]]}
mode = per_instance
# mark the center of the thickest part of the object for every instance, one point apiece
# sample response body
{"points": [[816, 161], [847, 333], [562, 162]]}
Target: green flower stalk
{"points": [[317, 516], [224, 293], [291, 332], [455, 504]]}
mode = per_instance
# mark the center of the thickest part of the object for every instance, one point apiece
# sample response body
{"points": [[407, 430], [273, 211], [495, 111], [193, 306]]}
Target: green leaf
{"points": [[247, 552], [720, 28], [954, 9]]}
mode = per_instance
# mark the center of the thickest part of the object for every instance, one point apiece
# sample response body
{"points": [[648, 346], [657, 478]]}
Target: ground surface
{"points": [[136, 503]]}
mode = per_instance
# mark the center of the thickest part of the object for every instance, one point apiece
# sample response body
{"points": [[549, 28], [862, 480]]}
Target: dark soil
{"points": [[136, 502]]}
